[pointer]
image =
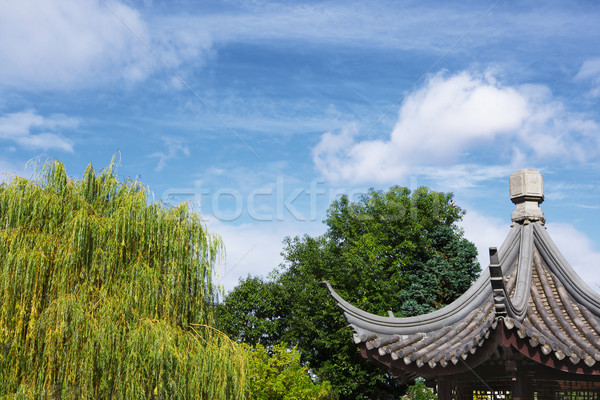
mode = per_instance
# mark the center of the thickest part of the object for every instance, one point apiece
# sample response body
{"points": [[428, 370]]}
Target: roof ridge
{"points": [[514, 305]]}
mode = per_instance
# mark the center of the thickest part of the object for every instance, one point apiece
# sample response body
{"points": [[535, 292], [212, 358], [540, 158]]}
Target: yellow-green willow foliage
{"points": [[104, 295]]}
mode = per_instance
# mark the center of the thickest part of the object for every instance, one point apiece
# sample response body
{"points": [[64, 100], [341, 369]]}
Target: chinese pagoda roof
{"points": [[529, 298]]}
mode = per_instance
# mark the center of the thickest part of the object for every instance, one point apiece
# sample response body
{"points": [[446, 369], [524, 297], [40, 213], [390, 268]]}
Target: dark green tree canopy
{"points": [[264, 322], [396, 250]]}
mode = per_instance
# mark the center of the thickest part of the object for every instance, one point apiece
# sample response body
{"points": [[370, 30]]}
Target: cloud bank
{"points": [[451, 117]]}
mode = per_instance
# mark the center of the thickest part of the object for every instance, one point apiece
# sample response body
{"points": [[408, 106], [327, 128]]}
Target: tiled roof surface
{"points": [[529, 287]]}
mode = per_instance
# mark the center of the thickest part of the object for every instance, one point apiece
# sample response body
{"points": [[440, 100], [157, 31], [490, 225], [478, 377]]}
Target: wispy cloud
{"points": [[326, 23], [404, 26], [462, 176], [589, 69], [32, 130], [590, 72], [173, 149], [564, 190], [461, 118]]}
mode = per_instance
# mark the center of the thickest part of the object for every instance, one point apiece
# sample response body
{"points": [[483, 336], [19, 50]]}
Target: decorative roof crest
{"points": [[527, 193]]}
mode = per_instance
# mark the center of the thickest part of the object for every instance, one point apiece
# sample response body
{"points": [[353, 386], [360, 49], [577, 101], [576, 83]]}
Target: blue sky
{"points": [[261, 113]]}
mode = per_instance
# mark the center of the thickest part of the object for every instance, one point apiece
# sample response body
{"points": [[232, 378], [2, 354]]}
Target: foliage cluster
{"points": [[280, 375], [396, 250], [419, 391]]}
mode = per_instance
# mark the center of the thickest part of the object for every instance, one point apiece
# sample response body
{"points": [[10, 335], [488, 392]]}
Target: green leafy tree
{"points": [[104, 294], [396, 250], [282, 376]]}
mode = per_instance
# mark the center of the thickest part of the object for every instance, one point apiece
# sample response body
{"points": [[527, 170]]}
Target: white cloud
{"points": [[456, 119], [451, 112], [31, 130], [174, 147], [57, 44]]}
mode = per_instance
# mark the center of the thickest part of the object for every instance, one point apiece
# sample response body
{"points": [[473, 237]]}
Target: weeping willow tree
{"points": [[106, 295]]}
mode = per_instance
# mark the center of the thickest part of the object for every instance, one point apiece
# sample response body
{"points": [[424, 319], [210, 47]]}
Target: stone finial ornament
{"points": [[527, 193]]}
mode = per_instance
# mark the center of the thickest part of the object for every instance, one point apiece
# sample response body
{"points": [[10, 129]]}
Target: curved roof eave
{"points": [[475, 297]]}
